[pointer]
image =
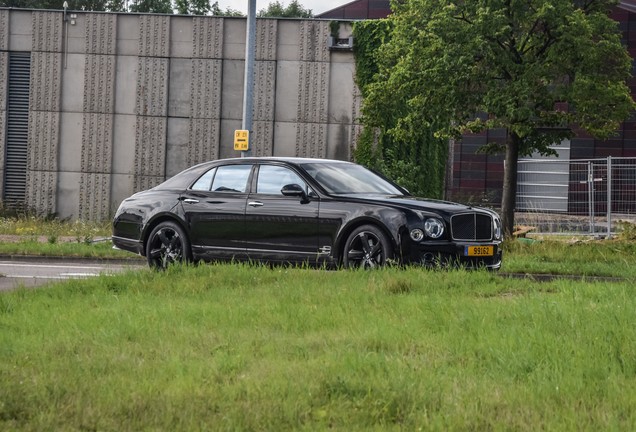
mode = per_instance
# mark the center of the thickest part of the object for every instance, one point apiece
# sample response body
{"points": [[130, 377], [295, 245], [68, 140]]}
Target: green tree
{"points": [[516, 62], [416, 160], [193, 7], [278, 10], [217, 11], [152, 6]]}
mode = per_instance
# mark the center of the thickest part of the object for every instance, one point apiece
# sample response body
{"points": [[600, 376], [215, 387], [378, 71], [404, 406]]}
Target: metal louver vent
{"points": [[17, 127]]}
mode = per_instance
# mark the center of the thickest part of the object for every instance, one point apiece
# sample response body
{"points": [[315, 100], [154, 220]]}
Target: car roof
{"points": [[296, 160]]}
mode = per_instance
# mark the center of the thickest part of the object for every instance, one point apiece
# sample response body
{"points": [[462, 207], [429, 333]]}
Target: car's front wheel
{"points": [[167, 244], [367, 247]]}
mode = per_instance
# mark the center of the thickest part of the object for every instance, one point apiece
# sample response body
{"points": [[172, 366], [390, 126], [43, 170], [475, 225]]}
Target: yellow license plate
{"points": [[479, 250]]}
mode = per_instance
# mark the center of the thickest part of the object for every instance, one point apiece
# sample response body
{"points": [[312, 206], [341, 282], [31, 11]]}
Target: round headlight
{"points": [[434, 228], [417, 234], [497, 226]]}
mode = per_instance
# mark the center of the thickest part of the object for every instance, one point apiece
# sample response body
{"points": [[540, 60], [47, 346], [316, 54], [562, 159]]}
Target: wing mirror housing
{"points": [[295, 190]]}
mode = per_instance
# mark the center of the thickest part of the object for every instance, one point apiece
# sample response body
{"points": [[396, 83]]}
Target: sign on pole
{"points": [[241, 140]]}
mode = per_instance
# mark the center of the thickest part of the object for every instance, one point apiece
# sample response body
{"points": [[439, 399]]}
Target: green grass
{"points": [[28, 246], [585, 258], [233, 347]]}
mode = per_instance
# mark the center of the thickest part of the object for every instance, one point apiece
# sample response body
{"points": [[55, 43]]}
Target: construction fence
{"points": [[592, 196]]}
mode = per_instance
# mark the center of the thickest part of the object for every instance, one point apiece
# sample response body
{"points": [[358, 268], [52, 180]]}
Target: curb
{"points": [[67, 259]]}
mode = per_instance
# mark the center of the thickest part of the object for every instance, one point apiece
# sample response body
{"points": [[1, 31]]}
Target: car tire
{"points": [[367, 247], [167, 244]]}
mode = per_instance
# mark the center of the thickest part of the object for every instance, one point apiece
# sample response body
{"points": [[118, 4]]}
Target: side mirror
{"points": [[295, 190]]}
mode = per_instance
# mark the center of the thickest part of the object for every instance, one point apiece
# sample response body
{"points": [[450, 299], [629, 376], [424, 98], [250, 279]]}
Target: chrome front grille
{"points": [[472, 227]]}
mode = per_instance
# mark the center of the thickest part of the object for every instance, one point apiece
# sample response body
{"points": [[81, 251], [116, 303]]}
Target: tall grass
{"points": [[585, 258], [233, 347], [32, 226]]}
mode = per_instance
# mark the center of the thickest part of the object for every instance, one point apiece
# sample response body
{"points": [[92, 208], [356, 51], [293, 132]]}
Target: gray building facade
{"points": [[102, 105]]}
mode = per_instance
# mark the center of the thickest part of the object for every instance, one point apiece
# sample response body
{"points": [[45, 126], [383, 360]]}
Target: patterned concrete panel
{"points": [[150, 150], [207, 37], [41, 191], [204, 141], [264, 90], [4, 79], [94, 196], [42, 161], [311, 139], [97, 143], [205, 88], [313, 88], [152, 86], [46, 78], [47, 31], [97, 128], [266, 39], [4, 30], [99, 83], [147, 182], [154, 35], [263, 138], [356, 126], [100, 33], [313, 41], [43, 140], [3, 115]]}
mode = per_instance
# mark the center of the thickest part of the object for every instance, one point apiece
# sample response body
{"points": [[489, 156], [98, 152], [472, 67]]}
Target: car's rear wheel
{"points": [[167, 244], [367, 247]]}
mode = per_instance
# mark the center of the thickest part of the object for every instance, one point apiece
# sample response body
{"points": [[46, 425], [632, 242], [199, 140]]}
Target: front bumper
{"points": [[130, 245], [453, 254]]}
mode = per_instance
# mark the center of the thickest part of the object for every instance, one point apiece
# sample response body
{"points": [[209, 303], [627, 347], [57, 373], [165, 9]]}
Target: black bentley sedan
{"points": [[296, 210]]}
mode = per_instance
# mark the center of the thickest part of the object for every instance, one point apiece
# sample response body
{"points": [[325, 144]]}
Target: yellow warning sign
{"points": [[241, 140]]}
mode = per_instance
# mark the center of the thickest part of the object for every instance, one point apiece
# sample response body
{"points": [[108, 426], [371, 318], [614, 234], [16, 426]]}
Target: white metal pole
{"points": [[609, 197], [248, 87]]}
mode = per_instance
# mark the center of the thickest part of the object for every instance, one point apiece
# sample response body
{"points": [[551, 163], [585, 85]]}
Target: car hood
{"points": [[416, 203]]}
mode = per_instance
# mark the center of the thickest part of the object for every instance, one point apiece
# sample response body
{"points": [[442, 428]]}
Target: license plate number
{"points": [[479, 250]]}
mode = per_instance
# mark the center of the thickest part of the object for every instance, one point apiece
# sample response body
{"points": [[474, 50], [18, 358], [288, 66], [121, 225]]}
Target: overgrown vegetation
{"points": [[31, 235], [230, 347], [538, 69], [29, 226], [412, 157]]}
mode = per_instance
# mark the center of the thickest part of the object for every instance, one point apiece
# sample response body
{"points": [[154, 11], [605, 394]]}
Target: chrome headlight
{"points": [[497, 227], [434, 228]]}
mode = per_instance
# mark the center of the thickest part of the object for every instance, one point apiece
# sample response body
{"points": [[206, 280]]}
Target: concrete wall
{"points": [[136, 98]]}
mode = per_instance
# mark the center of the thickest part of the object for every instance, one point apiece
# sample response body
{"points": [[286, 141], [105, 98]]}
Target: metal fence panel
{"points": [[576, 196]]}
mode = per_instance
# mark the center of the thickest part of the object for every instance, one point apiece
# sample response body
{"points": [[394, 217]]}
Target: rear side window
{"points": [[231, 178], [205, 181]]}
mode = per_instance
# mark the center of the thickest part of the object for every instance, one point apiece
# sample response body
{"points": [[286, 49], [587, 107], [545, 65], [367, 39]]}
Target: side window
{"points": [[272, 178], [231, 178], [205, 181]]}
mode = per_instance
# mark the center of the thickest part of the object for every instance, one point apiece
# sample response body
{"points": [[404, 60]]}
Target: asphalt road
{"points": [[36, 272]]}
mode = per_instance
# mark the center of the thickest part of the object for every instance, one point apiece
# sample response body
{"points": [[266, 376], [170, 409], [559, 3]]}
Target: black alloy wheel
{"points": [[167, 244], [367, 247]]}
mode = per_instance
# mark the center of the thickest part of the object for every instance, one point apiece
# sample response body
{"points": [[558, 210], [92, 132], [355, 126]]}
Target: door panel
{"points": [[217, 217], [280, 228]]}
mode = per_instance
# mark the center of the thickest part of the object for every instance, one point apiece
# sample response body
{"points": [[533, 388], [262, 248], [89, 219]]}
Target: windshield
{"points": [[347, 178]]}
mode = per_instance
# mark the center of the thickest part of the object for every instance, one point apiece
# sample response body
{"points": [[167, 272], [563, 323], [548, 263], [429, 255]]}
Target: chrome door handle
{"points": [[190, 201], [255, 204]]}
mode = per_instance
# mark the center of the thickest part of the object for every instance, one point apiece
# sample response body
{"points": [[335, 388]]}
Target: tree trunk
{"points": [[509, 197]]}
